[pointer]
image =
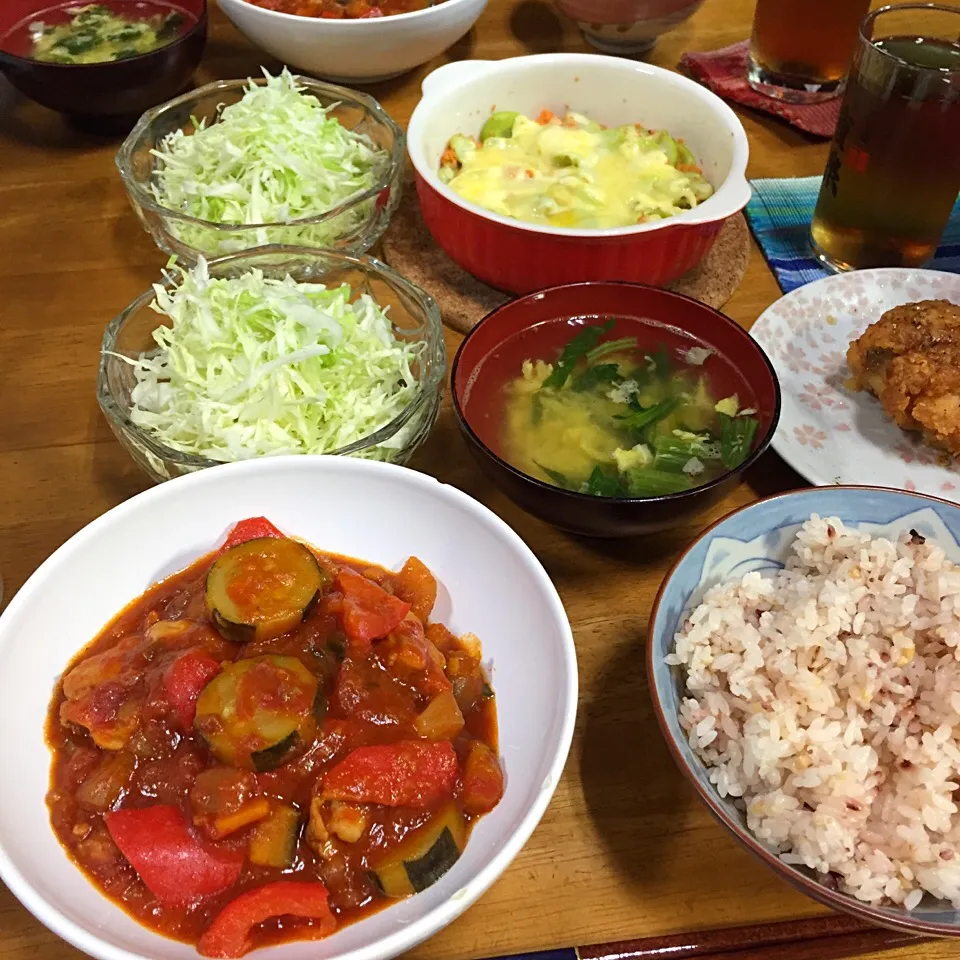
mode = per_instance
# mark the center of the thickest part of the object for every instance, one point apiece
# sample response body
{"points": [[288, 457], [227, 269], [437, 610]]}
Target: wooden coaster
{"points": [[463, 300]]}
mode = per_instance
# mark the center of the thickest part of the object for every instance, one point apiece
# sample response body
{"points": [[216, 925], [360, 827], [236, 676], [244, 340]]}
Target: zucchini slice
{"points": [[256, 713], [260, 589], [424, 856], [274, 841], [269, 758]]}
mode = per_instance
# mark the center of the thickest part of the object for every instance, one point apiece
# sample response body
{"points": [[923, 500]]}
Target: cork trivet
{"points": [[463, 300]]}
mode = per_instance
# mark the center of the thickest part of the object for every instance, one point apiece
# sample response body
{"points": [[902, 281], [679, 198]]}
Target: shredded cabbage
{"points": [[252, 366], [274, 156]]}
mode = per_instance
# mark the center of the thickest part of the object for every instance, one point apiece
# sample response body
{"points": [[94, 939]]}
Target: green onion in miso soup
{"points": [[95, 33], [617, 419]]}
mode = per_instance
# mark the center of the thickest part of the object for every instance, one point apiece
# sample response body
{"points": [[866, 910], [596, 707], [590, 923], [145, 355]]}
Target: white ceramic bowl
{"points": [[521, 257], [355, 51], [490, 584]]}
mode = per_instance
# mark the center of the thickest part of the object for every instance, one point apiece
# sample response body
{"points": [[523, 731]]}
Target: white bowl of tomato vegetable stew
{"points": [[354, 41], [287, 733]]}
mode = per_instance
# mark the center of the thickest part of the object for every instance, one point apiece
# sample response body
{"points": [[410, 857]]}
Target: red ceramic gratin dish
{"points": [[511, 258], [106, 97], [537, 326], [521, 257]]}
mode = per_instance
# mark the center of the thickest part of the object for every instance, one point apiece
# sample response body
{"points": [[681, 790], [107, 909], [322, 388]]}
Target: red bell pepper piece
{"points": [[229, 934], [482, 780], [408, 773], [368, 612], [250, 529], [175, 866], [184, 680]]}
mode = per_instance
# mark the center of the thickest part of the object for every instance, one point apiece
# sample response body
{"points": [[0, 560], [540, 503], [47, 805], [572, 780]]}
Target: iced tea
{"points": [[801, 50], [894, 168]]}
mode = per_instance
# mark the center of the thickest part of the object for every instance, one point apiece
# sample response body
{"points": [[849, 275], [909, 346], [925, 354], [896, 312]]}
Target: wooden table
{"points": [[625, 849]]}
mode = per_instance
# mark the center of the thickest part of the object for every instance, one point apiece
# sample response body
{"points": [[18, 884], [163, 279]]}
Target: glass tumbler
{"points": [[894, 168], [800, 50]]}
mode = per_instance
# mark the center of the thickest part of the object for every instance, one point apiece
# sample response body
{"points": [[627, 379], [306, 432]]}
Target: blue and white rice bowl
{"points": [[805, 674]]}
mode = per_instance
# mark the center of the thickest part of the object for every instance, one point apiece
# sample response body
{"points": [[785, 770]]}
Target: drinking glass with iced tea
{"points": [[800, 50], [894, 168]]}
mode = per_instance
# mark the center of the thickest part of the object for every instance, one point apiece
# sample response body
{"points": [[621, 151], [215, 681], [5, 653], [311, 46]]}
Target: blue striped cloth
{"points": [[779, 215]]}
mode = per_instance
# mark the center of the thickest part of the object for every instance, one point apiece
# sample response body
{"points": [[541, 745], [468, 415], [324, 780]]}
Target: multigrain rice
{"points": [[825, 699]]}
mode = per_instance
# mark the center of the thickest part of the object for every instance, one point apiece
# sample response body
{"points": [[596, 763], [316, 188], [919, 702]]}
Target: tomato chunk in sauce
{"points": [[234, 794]]}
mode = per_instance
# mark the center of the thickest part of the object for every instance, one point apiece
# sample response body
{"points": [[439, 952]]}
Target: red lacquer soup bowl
{"points": [[109, 95], [538, 326], [521, 257]]}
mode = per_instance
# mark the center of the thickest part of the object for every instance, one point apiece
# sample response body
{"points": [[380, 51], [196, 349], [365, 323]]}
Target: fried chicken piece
{"points": [[901, 331], [910, 360], [922, 392]]}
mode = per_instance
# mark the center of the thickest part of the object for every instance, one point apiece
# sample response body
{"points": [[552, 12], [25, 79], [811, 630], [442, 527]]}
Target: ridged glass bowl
{"points": [[414, 315], [352, 227]]}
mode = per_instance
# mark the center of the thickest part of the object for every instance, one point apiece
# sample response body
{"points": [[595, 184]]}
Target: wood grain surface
{"points": [[625, 849]]}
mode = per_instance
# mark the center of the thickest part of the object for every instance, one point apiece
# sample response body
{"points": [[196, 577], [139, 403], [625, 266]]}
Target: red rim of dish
{"points": [[793, 875], [758, 451]]}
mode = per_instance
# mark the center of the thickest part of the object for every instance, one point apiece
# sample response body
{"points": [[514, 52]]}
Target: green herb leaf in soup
{"points": [[577, 348], [597, 374], [556, 477], [736, 438], [604, 484], [621, 417]]}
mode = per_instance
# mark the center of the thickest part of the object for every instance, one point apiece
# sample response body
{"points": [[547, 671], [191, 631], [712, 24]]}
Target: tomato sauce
{"points": [[123, 737]]}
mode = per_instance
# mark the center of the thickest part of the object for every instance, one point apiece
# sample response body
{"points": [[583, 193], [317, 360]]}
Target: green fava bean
{"points": [[499, 124]]}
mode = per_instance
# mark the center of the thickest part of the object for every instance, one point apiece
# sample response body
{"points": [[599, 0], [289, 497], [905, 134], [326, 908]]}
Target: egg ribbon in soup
{"points": [[614, 419]]}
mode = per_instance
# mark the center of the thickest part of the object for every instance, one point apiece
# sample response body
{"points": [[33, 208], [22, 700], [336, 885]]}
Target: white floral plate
{"points": [[828, 433]]}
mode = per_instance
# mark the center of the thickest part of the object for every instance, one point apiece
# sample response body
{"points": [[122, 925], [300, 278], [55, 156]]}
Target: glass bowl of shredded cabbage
{"points": [[282, 159], [281, 350]]}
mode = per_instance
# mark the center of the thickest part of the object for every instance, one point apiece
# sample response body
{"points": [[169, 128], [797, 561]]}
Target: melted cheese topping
{"points": [[574, 173]]}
